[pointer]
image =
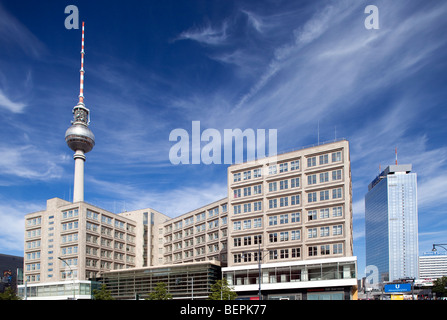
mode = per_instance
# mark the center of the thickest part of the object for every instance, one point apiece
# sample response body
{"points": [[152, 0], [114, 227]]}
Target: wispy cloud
{"points": [[28, 162], [208, 34], [6, 103]]}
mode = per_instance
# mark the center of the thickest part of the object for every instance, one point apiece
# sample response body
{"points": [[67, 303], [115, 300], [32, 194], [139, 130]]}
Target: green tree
{"points": [[9, 294], [220, 290], [102, 294], [160, 292], [439, 287]]}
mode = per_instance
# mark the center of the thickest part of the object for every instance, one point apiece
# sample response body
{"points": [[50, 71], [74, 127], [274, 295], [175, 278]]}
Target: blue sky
{"points": [[154, 66]]}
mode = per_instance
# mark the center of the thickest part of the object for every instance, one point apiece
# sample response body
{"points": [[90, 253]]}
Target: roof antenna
{"points": [[395, 151]]}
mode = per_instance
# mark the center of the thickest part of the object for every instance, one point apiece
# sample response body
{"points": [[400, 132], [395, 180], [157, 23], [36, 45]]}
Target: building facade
{"points": [[199, 235], [80, 241], [433, 265], [287, 218], [291, 215], [391, 223]]}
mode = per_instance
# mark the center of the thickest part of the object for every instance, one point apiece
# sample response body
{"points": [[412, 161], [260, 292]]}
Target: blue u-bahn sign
{"points": [[397, 287]]}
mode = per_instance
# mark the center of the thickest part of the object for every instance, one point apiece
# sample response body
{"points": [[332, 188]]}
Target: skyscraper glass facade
{"points": [[391, 224]]}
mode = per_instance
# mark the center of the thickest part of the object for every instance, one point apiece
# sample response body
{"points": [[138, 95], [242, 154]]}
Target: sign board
{"points": [[397, 287]]}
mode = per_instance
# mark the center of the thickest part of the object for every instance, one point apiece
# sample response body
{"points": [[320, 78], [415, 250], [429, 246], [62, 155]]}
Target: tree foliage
{"points": [[9, 294], [102, 294], [222, 291], [439, 287], [160, 292]]}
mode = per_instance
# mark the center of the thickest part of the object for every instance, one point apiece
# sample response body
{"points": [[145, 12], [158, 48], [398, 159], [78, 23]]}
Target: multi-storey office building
{"points": [[290, 221], [433, 265], [76, 242], [391, 223], [199, 235]]}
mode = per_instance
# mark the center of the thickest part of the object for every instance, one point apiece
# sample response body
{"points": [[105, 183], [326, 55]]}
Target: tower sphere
{"points": [[80, 137]]}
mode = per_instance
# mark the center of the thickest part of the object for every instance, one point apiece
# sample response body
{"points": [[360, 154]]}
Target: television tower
{"points": [[78, 136]]}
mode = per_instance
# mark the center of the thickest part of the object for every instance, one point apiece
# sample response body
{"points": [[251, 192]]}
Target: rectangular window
{"points": [[337, 230], [273, 203], [337, 211], [295, 199], [311, 162], [324, 177], [324, 213], [312, 179], [295, 217], [324, 159], [237, 177], [313, 251], [295, 165], [324, 250], [283, 167], [284, 236], [337, 248], [237, 209], [296, 252], [284, 184], [295, 235], [272, 186], [312, 215], [273, 237], [283, 202], [324, 232], [283, 219], [257, 206], [294, 182], [336, 156], [324, 195], [272, 169], [336, 175], [273, 221], [237, 225], [247, 191], [312, 197], [337, 193], [311, 233], [237, 193]]}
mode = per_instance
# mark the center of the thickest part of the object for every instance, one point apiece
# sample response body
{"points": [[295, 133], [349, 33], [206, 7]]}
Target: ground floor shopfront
{"points": [[324, 279]]}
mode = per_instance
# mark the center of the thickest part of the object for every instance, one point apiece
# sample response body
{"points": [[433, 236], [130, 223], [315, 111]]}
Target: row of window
{"points": [[286, 218], [322, 177], [290, 253], [273, 186], [323, 195], [285, 166], [198, 217]]}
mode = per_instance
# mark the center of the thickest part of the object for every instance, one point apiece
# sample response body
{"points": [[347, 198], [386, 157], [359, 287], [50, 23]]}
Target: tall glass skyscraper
{"points": [[391, 223]]}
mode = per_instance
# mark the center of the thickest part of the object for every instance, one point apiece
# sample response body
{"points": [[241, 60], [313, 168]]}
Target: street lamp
{"points": [[439, 245], [72, 275], [260, 257]]}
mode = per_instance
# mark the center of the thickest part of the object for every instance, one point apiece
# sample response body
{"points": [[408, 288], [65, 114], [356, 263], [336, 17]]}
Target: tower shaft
{"points": [[78, 189]]}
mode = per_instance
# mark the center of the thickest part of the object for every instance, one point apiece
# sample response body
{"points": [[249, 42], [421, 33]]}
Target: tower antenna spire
{"points": [[81, 85]]}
